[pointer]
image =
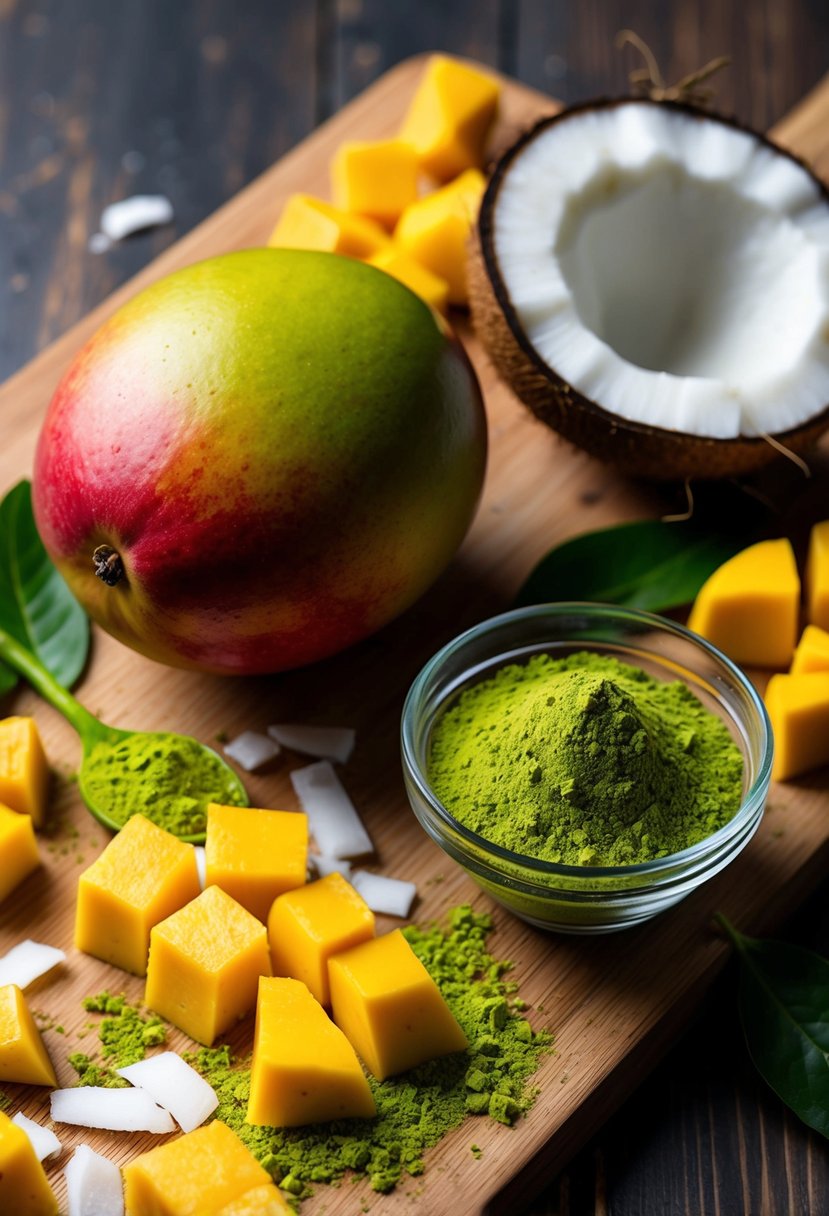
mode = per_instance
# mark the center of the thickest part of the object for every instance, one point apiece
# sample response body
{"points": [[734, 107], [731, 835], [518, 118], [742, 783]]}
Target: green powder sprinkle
{"points": [[418, 1108], [585, 760], [5, 1101], [125, 1034], [170, 779]]}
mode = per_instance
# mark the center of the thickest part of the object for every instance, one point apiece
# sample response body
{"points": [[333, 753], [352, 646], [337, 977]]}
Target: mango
{"points": [[435, 230], [23, 1056], [19, 854], [817, 576], [309, 223], [297, 452], [450, 116], [812, 651], [749, 608], [798, 706], [254, 855], [24, 773], [430, 287], [265, 1200], [24, 1189], [376, 178]]}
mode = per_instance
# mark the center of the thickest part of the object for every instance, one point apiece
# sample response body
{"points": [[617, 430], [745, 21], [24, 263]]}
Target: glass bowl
{"points": [[587, 899]]}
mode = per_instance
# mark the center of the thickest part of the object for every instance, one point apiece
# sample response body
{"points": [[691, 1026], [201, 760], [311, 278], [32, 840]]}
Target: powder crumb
{"points": [[125, 1034], [477, 1151], [5, 1101]]}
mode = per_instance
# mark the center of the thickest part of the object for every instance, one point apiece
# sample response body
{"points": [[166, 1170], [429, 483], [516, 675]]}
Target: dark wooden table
{"points": [[104, 98]]}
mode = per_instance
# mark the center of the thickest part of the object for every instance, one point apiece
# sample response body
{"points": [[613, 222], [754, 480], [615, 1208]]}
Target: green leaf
{"points": [[784, 1009], [649, 564], [36, 606]]}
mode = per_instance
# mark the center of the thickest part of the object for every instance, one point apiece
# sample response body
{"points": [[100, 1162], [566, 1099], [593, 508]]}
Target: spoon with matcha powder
{"points": [[166, 777]]}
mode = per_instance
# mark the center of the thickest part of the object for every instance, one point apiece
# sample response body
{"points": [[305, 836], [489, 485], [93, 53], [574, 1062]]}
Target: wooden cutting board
{"points": [[614, 1003]]}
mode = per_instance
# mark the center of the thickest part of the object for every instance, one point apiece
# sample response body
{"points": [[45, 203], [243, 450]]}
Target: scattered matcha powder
{"points": [[125, 1035], [5, 1101], [418, 1108]]}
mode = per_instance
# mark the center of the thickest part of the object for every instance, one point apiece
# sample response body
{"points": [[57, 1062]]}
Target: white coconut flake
{"points": [[93, 1184], [327, 742], [98, 243], [393, 896], [172, 1083], [27, 962], [337, 828], [201, 864], [324, 865], [134, 214], [43, 1139], [115, 1110], [251, 750]]}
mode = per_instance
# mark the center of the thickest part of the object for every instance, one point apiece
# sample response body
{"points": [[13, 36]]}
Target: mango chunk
{"points": [[310, 223], [19, 854], [430, 287], [261, 1201], [304, 1069], [450, 116], [24, 1190], [377, 178], [143, 875], [817, 577], [24, 772], [811, 652], [389, 1006], [23, 1056], [798, 706], [308, 926], [749, 607], [435, 230], [255, 855], [205, 964], [196, 1175]]}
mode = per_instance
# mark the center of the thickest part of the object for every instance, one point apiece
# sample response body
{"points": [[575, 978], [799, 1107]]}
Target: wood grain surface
{"points": [[702, 1135]]}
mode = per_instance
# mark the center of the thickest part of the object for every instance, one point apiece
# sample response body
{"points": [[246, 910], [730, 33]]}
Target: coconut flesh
{"points": [[669, 267]]}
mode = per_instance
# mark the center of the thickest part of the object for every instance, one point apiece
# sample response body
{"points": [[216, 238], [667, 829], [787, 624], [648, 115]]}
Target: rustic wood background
{"points": [[103, 98]]}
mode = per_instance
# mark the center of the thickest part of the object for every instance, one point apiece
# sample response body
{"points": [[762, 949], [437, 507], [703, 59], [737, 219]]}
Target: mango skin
{"points": [[285, 447]]}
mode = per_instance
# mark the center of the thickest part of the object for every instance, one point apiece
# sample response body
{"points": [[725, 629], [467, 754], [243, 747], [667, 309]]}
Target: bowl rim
{"points": [[752, 801]]}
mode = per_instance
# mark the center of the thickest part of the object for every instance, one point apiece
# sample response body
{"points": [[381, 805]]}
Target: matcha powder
{"points": [[585, 760], [415, 1110]]}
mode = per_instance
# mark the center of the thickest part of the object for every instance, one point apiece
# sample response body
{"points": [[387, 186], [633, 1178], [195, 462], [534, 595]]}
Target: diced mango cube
{"points": [[377, 178], [308, 926], [798, 706], [261, 1201], [143, 875], [811, 652], [195, 1175], [390, 1007], [205, 964], [304, 1069], [18, 849], [430, 287], [24, 1190], [310, 223], [450, 116], [435, 229], [255, 855], [817, 577], [24, 772], [23, 1056], [750, 606]]}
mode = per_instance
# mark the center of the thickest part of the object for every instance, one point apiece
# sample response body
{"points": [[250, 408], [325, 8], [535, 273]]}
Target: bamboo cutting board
{"points": [[614, 1003]]}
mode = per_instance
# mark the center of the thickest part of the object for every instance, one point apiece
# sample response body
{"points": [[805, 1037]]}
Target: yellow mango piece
{"points": [[304, 1069], [435, 229], [205, 964], [389, 1006], [196, 1175], [143, 875], [255, 855], [24, 1190], [18, 849], [811, 652], [798, 706], [308, 926], [377, 178], [311, 223], [23, 1056], [450, 116], [750, 606], [817, 577], [24, 772], [261, 1201], [430, 287]]}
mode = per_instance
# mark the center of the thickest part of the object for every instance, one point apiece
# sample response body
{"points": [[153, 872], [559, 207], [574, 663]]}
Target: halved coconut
{"points": [[653, 282]]}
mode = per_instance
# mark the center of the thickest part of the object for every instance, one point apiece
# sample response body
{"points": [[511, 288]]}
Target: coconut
{"points": [[652, 280]]}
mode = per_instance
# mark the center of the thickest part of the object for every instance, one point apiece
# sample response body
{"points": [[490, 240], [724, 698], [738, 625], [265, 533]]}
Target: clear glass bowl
{"points": [[587, 899]]}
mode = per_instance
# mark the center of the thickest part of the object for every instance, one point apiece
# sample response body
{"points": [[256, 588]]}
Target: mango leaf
{"points": [[784, 1009], [36, 606], [650, 564]]}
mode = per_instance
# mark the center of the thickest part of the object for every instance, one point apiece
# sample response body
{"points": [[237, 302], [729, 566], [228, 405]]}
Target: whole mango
{"points": [[260, 460]]}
